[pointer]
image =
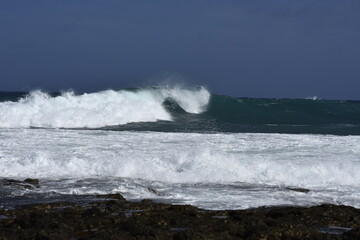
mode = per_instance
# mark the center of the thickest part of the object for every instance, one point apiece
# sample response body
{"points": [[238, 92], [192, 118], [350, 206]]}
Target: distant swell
{"points": [[100, 109]]}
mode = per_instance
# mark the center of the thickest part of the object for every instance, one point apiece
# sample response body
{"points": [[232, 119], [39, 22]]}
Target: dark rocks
{"points": [[156, 192], [116, 196], [303, 190], [29, 183], [112, 217], [334, 230], [32, 181]]}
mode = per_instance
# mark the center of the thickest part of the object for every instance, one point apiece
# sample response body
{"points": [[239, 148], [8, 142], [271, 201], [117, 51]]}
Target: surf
{"points": [[99, 109], [208, 170], [178, 109]]}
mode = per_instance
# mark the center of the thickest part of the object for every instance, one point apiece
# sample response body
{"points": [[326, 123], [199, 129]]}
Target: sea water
{"points": [[181, 146]]}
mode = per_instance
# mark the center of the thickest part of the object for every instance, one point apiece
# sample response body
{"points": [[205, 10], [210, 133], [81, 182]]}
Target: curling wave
{"points": [[174, 109], [100, 109]]}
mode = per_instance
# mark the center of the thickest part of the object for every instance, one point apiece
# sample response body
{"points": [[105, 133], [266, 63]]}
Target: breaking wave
{"points": [[175, 109], [273, 159], [100, 109]]}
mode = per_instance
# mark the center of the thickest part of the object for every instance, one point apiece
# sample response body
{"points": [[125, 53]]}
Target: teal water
{"points": [[193, 147], [231, 114]]}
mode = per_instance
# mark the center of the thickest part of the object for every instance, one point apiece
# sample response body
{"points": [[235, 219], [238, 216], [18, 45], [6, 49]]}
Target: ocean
{"points": [[180, 146]]}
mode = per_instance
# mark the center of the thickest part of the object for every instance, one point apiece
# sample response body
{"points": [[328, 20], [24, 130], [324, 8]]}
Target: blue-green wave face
{"points": [[178, 110]]}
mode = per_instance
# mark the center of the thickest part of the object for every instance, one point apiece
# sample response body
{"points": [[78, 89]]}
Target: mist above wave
{"points": [[99, 109]]}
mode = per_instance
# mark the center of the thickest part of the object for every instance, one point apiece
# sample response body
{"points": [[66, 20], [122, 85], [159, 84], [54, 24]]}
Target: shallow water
{"points": [[212, 171]]}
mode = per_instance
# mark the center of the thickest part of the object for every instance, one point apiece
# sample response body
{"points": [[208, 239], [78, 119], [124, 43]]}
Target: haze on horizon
{"points": [[243, 48]]}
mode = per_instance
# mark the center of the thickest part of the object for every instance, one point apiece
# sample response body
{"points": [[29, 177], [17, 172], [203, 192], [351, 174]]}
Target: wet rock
{"points": [[29, 183], [113, 196], [112, 217], [152, 190], [352, 234], [32, 181], [334, 230], [303, 190]]}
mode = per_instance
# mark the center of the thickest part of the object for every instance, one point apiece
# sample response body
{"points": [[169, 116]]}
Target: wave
{"points": [[100, 109], [219, 170], [175, 109], [298, 160]]}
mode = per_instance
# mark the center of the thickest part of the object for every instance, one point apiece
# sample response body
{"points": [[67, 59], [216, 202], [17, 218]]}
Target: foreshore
{"points": [[113, 217]]}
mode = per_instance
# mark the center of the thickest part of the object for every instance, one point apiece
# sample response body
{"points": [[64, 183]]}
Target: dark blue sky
{"points": [[252, 48]]}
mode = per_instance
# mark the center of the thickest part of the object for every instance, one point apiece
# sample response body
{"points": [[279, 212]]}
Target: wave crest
{"points": [[100, 109]]}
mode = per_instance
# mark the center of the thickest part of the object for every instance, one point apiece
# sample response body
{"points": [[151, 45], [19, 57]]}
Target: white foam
{"points": [[190, 102], [313, 98], [98, 109], [302, 160], [209, 170]]}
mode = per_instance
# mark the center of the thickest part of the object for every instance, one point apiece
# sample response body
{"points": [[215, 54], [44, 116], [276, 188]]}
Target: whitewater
{"points": [[106, 108], [173, 145]]}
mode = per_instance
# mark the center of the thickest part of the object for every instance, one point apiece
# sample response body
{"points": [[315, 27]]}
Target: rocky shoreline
{"points": [[113, 217]]}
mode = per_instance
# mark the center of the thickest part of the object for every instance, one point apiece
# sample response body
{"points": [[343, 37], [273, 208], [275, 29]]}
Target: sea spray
{"points": [[99, 109]]}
